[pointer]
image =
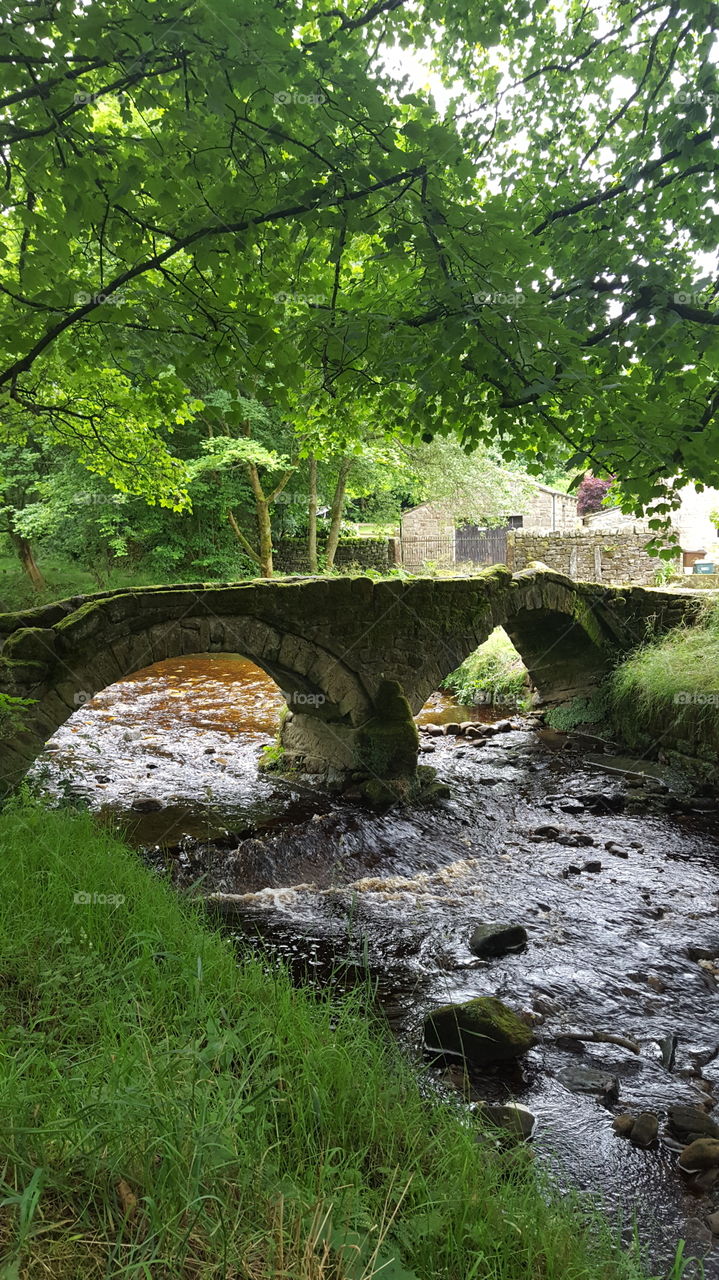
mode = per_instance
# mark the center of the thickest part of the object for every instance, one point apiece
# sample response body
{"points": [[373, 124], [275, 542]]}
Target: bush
{"points": [[495, 670], [669, 689]]}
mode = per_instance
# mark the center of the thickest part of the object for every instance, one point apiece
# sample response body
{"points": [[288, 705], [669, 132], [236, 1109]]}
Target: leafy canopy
{"points": [[242, 193]]}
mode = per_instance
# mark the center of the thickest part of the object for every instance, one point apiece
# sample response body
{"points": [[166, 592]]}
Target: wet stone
{"points": [[644, 1130], [482, 1030], [701, 1154], [712, 1221], [491, 940], [704, 953], [687, 1122], [616, 850], [516, 1120], [623, 1124], [590, 1080], [147, 804]]}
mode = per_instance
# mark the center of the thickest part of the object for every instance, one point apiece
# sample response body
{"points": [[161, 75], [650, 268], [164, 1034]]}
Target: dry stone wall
{"points": [[587, 555]]}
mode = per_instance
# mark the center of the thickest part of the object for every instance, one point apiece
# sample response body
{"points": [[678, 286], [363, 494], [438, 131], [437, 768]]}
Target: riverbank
{"points": [[661, 702], [664, 699], [168, 1111]]}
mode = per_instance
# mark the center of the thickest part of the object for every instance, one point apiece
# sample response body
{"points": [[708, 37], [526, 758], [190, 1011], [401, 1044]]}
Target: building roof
{"points": [[560, 492]]}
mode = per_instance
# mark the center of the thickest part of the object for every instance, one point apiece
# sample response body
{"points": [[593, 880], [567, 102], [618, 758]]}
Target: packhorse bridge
{"points": [[354, 658]]}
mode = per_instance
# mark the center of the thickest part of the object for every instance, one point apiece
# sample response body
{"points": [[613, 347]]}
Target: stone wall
{"points": [[587, 555], [290, 555]]}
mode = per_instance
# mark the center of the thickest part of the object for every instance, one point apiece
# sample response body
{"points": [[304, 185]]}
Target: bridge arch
{"points": [[564, 640], [317, 687]]}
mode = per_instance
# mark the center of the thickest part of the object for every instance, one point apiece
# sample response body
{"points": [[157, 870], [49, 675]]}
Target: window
{"points": [[515, 522]]}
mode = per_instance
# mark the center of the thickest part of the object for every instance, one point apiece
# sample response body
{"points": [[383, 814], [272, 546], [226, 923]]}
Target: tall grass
{"points": [[168, 1109], [495, 669], [668, 691]]}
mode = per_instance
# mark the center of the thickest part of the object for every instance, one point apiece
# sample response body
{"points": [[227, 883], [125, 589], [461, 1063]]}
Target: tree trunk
{"points": [[243, 541], [264, 525], [312, 517], [338, 501], [27, 560]]}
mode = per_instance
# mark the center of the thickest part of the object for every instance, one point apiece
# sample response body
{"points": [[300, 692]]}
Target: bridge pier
{"points": [[379, 755]]}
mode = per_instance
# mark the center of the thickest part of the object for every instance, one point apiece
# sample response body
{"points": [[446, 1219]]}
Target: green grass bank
{"points": [[662, 701], [494, 672], [167, 1111]]}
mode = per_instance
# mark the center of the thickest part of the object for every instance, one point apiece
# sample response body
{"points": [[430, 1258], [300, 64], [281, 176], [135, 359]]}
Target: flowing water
{"points": [[626, 948]]}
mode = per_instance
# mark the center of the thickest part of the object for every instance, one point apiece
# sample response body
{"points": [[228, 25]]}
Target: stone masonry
{"points": [[588, 555]]}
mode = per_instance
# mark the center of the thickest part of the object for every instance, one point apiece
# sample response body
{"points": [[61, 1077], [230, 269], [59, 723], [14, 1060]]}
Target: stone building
{"points": [[696, 531], [546, 509]]}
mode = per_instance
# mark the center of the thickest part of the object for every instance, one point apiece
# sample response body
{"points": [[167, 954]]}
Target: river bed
{"points": [[337, 891]]}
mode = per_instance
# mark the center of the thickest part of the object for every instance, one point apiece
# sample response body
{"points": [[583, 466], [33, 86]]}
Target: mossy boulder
{"points": [[482, 1030]]}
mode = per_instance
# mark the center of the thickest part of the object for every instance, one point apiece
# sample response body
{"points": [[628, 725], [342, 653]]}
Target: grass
{"points": [[494, 669], [669, 690], [62, 579], [168, 1110]]}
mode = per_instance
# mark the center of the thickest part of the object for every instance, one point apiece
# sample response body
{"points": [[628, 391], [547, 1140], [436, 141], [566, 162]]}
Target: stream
{"points": [[622, 942]]}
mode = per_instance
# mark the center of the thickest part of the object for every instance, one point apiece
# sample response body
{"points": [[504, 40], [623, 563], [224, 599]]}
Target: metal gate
{"points": [[473, 545], [468, 545]]}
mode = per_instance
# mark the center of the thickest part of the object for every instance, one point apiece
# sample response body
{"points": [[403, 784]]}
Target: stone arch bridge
{"points": [[354, 658]]}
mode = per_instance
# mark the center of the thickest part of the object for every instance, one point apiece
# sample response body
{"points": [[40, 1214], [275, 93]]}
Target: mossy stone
{"points": [[482, 1030]]}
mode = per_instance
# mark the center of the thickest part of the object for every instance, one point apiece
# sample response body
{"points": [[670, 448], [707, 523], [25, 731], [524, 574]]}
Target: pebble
{"points": [[146, 804], [616, 850], [623, 1124], [688, 1122]]}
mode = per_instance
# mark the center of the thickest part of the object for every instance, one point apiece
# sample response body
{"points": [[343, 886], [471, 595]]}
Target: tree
{"points": [[250, 185], [591, 494]]}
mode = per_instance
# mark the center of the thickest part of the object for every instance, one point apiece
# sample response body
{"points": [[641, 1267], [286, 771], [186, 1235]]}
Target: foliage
{"points": [[494, 669], [590, 710], [668, 690], [591, 494], [225, 188], [12, 720], [169, 1101]]}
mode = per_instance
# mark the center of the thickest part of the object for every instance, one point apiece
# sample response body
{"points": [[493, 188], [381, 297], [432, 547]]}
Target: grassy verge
{"points": [[494, 670], [668, 692], [62, 579], [168, 1112]]}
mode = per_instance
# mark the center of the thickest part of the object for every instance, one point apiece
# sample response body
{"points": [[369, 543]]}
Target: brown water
{"points": [[326, 885]]}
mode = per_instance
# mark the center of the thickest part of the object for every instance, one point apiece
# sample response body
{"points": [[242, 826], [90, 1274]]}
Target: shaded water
{"points": [[324, 884]]}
